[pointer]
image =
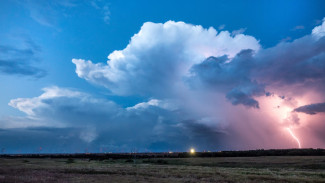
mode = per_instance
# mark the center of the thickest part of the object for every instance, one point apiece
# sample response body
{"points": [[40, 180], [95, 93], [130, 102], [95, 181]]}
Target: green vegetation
{"points": [[70, 160], [209, 169]]}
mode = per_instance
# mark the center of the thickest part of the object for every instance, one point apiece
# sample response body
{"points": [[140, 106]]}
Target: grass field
{"points": [[218, 169]]}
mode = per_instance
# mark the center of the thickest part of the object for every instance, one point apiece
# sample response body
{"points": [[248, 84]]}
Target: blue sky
{"points": [[51, 91]]}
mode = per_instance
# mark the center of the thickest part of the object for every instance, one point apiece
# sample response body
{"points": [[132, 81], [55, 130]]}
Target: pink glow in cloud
{"points": [[199, 86]]}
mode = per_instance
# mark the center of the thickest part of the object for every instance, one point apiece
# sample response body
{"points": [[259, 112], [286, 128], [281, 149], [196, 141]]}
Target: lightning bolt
{"points": [[294, 137]]}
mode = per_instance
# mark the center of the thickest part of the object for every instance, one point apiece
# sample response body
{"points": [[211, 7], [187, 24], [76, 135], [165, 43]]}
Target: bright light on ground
{"points": [[192, 150]]}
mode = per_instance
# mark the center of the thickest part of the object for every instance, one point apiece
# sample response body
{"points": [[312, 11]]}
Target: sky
{"points": [[156, 76]]}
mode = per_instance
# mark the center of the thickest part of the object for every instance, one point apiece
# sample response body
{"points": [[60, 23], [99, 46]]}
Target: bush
{"points": [[70, 160], [129, 161]]}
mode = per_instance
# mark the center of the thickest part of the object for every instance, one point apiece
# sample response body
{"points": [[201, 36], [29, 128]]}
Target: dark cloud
{"points": [[21, 61], [237, 96], [232, 77], [311, 108], [297, 63], [300, 61], [193, 69], [202, 136], [99, 122], [220, 71], [41, 140], [170, 62]]}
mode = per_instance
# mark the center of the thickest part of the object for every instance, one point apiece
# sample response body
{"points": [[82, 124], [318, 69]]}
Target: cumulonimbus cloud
{"points": [[97, 118], [159, 56], [199, 87], [180, 61]]}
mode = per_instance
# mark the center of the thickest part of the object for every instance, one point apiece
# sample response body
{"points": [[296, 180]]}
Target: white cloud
{"points": [[66, 108], [221, 26], [61, 107], [27, 105], [159, 56], [89, 134], [166, 104], [171, 61], [103, 7], [185, 93], [319, 31], [239, 31]]}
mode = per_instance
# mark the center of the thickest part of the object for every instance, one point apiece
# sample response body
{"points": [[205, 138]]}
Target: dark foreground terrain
{"points": [[192, 169]]}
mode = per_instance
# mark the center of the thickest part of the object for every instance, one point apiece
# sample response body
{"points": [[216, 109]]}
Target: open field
{"points": [[196, 169]]}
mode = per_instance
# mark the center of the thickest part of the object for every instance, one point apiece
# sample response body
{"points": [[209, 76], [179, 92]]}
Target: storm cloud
{"points": [[193, 66], [99, 121], [198, 87], [159, 56], [311, 108]]}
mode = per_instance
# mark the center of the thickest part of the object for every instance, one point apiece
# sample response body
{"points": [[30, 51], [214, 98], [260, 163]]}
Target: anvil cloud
{"points": [[200, 87]]}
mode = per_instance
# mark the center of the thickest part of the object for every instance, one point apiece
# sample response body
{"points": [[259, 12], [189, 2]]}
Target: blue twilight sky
{"points": [[140, 99]]}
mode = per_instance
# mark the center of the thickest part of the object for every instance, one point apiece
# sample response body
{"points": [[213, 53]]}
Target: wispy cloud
{"points": [[46, 13], [21, 60], [221, 27], [103, 7], [298, 27], [239, 31], [49, 13]]}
